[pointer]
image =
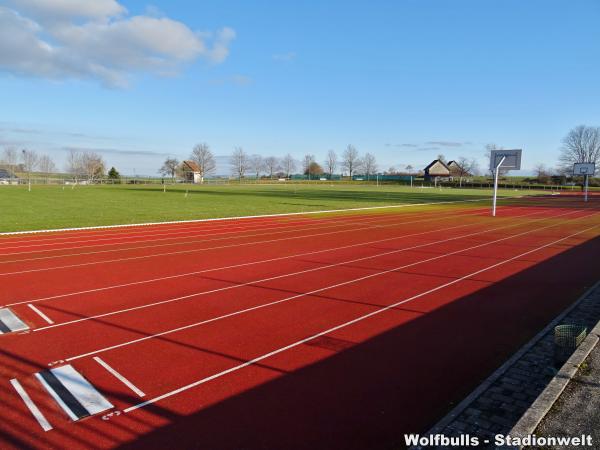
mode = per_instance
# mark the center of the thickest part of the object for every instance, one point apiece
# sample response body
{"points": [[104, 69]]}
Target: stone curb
{"points": [[439, 427], [540, 407]]}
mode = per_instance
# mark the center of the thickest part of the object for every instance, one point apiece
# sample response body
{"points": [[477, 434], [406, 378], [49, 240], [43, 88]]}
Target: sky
{"points": [[404, 80]]}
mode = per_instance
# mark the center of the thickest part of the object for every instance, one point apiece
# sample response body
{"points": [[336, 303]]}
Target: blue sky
{"points": [[404, 80]]}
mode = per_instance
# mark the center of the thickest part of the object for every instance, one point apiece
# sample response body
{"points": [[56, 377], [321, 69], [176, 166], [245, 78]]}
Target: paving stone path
{"points": [[497, 405]]}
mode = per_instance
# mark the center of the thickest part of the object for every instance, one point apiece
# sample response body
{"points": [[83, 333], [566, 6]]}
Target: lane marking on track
{"points": [[9, 322], [36, 241], [262, 261], [170, 244], [343, 325], [239, 235], [41, 314], [220, 247], [120, 377], [75, 395], [276, 277], [35, 411], [304, 294], [366, 208]]}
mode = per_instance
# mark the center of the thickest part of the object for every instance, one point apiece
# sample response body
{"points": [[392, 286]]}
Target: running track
{"points": [[332, 331]]}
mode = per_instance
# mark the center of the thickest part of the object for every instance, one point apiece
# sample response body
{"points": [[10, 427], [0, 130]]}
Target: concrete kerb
{"points": [[540, 407]]}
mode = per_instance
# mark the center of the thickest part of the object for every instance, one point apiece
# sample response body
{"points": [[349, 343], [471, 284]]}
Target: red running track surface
{"points": [[336, 331]]}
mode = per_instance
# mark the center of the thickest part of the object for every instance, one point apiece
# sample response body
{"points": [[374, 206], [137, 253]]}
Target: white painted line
{"points": [[56, 397], [300, 272], [81, 389], [132, 258], [238, 234], [261, 261], [344, 325], [10, 322], [367, 208], [30, 405], [41, 314], [120, 377], [304, 294]]}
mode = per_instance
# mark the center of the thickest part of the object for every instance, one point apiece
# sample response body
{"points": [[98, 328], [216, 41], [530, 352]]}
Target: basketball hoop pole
{"points": [[585, 188], [496, 170]]}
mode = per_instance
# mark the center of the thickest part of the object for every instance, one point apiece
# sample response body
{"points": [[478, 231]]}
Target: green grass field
{"points": [[49, 207]]}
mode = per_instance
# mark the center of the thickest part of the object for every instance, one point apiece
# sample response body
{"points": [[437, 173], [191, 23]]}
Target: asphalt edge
{"points": [[464, 404]]}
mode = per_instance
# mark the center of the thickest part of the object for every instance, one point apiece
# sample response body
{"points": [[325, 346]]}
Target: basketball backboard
{"points": [[584, 169], [512, 159]]}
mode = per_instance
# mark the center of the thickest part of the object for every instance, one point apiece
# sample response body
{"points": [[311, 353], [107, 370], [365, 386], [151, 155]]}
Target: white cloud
{"points": [[61, 39], [285, 57]]}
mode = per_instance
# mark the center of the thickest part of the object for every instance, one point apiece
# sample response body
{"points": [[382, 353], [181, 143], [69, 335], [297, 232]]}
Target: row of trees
{"points": [[243, 164], [80, 165]]}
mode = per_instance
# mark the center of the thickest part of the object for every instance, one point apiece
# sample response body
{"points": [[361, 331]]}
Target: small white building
{"points": [[191, 172]]}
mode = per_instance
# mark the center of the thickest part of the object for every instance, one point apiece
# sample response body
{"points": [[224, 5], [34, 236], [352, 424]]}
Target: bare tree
{"points": [[10, 157], [93, 166], [331, 163], [169, 168], [306, 162], [46, 166], [202, 156], [239, 162], [271, 164], [369, 165], [465, 168], [442, 158], [74, 165], [580, 145], [409, 169], [350, 160], [288, 164], [257, 165], [541, 173], [30, 160]]}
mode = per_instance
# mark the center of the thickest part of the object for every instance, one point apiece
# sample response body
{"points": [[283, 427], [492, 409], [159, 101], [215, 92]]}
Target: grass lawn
{"points": [[49, 207]]}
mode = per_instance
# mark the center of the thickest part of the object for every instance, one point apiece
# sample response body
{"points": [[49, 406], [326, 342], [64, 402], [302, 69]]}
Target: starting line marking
{"points": [[120, 377], [30, 405], [75, 395], [10, 323], [41, 314], [343, 325]]}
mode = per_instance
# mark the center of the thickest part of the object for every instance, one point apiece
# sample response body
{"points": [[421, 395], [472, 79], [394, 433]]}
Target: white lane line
{"points": [[41, 314], [238, 234], [39, 242], [290, 274], [304, 294], [367, 208], [120, 377], [169, 244], [220, 247], [261, 261], [30, 405], [344, 325]]}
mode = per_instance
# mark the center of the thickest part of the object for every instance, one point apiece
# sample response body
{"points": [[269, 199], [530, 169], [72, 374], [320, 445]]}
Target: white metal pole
{"points": [[586, 188], [496, 171]]}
